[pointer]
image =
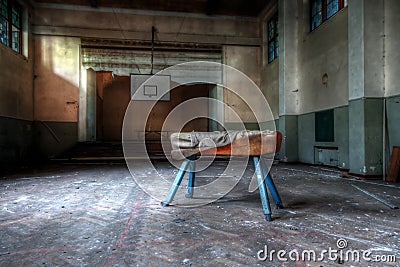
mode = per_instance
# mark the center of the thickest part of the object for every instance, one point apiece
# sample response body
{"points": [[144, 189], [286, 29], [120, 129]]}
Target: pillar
{"points": [[288, 79], [366, 86]]}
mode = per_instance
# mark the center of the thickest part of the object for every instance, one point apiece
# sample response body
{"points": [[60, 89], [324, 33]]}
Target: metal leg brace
{"points": [[264, 180], [176, 184], [192, 176], [262, 189], [271, 186]]}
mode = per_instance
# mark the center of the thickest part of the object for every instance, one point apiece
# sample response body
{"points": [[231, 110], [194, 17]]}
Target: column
{"points": [[288, 79], [366, 86]]}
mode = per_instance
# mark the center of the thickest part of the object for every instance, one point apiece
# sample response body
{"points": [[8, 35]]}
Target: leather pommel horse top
{"points": [[227, 143]]}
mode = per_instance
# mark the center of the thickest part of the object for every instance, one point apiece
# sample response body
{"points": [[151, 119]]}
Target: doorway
{"points": [[112, 96]]}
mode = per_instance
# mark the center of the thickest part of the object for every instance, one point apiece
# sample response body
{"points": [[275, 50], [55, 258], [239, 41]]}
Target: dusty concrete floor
{"points": [[95, 215]]}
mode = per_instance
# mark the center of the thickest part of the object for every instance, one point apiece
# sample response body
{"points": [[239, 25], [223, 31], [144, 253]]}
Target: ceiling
{"points": [[245, 8]]}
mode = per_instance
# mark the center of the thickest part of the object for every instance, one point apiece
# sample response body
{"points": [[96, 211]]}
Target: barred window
{"points": [[11, 24], [321, 10], [273, 42]]}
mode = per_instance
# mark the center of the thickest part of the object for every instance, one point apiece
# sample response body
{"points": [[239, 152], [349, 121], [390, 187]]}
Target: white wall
{"points": [[57, 78], [16, 77], [392, 45], [270, 86], [324, 50], [16, 87], [246, 60], [269, 76]]}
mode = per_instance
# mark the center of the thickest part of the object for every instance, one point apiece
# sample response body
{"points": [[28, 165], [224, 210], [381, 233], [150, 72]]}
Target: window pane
{"points": [[316, 7], [271, 49], [16, 17], [316, 13], [273, 38], [271, 30], [3, 8], [3, 31], [16, 35], [332, 7], [316, 20]]}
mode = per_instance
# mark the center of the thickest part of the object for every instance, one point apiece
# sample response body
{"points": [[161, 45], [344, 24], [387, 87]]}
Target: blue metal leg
{"points": [[271, 186], [262, 189], [192, 177], [176, 184]]}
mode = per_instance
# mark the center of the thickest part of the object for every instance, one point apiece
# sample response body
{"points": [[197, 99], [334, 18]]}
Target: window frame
{"points": [[275, 39], [324, 8], [6, 19], [13, 5]]}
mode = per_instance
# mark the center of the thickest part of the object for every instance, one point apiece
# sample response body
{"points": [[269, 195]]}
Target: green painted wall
{"points": [[342, 135], [374, 135], [393, 123], [306, 132], [365, 136], [306, 126], [288, 126], [24, 141], [16, 140], [240, 126], [53, 138]]}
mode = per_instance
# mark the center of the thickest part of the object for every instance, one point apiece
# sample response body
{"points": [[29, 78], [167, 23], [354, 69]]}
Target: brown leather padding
{"points": [[256, 143]]}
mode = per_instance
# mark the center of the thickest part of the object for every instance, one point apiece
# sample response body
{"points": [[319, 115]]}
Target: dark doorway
{"points": [[112, 99]]}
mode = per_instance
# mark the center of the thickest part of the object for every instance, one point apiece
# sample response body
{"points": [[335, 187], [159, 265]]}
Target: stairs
{"points": [[112, 152]]}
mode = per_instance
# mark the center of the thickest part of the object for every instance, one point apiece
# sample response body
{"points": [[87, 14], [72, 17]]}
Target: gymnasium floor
{"points": [[96, 215]]}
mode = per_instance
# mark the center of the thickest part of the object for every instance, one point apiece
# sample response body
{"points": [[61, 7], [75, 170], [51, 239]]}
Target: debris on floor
{"points": [[95, 215]]}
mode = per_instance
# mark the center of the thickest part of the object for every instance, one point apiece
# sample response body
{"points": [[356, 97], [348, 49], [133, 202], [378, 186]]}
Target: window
{"points": [[11, 24], [324, 126], [273, 43], [3, 22], [321, 10]]}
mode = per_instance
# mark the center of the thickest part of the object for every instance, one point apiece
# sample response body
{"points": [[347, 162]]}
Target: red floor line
{"points": [[125, 231]]}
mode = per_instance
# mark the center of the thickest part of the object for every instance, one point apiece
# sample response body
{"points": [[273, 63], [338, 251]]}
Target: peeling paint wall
{"points": [[289, 69], [323, 50], [127, 28], [392, 44], [305, 57], [56, 78], [132, 25], [150, 116], [366, 46], [246, 60], [270, 86], [16, 101], [56, 87], [269, 72], [124, 62], [392, 71], [16, 79], [16, 85], [307, 143]]}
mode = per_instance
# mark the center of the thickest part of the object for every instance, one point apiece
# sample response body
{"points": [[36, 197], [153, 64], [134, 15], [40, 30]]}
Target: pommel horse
{"points": [[254, 144]]}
